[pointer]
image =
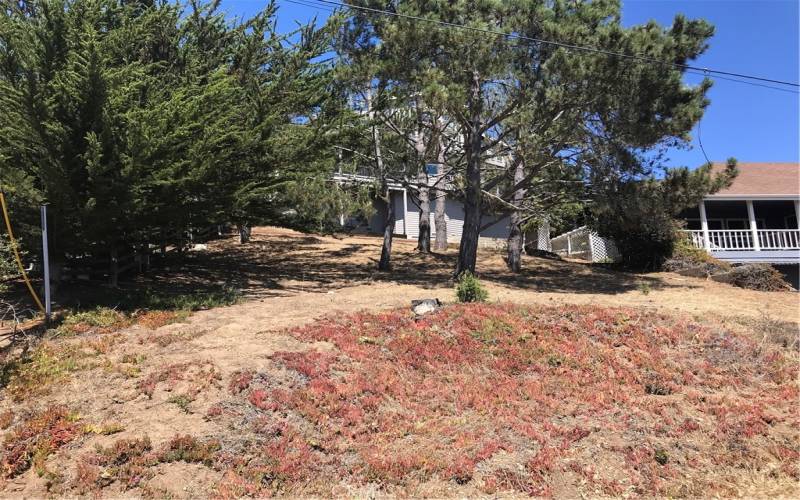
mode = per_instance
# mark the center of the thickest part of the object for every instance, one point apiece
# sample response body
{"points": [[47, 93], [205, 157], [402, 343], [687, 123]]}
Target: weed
{"points": [[198, 374], [47, 364], [6, 419], [157, 319], [661, 456], [104, 429], [99, 320], [440, 396], [36, 439], [182, 401], [126, 461], [645, 288], [240, 381], [189, 449]]}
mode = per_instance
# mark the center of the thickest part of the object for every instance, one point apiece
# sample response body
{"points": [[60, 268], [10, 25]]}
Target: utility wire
{"points": [[514, 36], [755, 84]]}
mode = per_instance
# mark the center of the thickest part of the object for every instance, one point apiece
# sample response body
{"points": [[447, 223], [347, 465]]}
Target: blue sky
{"points": [[758, 37]]}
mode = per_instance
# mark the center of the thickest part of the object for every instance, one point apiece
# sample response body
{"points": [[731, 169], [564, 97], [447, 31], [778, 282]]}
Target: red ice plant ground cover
{"points": [[543, 401]]}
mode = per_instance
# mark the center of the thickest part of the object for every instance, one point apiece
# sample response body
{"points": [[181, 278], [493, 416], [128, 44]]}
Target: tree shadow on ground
{"points": [[280, 262]]}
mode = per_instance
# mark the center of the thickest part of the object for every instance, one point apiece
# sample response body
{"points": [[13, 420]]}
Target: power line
{"points": [[755, 84], [514, 36]]}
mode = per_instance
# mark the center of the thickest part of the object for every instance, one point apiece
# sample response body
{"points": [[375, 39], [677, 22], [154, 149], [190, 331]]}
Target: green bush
{"points": [[640, 215], [469, 289]]}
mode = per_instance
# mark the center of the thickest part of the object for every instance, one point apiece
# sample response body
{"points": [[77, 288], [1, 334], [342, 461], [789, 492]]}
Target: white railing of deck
{"points": [[779, 239], [742, 239]]}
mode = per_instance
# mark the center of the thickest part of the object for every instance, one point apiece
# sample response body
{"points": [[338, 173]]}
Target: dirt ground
{"points": [[338, 273], [288, 279]]}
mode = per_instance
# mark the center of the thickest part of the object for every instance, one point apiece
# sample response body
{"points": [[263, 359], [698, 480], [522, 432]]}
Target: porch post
{"points": [[704, 226], [797, 213], [751, 214]]}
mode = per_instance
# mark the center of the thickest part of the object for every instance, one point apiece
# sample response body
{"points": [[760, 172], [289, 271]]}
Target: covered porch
{"points": [[747, 230]]}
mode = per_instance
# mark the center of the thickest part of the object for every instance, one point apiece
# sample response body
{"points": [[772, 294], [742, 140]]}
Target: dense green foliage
{"points": [[139, 120], [469, 289], [640, 215]]}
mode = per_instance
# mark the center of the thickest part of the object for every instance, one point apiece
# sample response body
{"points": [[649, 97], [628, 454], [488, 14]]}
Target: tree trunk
{"points": [[424, 239], [468, 249], [388, 232], [244, 233], [388, 229], [514, 259], [440, 199]]}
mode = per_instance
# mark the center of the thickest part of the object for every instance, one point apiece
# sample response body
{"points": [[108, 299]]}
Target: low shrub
{"points": [[762, 277], [469, 289]]}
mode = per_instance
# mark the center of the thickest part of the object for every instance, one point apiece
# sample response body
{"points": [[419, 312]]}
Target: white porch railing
{"points": [[742, 239]]}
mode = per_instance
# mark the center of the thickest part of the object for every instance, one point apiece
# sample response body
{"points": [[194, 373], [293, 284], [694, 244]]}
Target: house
{"points": [[753, 220], [407, 215]]}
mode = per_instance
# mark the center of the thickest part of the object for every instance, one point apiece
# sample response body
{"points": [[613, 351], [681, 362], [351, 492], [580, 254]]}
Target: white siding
{"points": [[454, 218], [408, 223], [399, 213]]}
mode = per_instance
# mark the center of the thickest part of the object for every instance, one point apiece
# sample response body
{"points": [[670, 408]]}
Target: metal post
{"points": [[46, 264]]}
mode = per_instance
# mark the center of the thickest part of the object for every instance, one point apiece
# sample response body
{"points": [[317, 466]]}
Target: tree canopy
{"points": [[553, 109], [137, 120]]}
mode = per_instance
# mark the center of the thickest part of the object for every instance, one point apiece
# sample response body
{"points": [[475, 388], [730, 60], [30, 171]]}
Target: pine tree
{"points": [[580, 101], [139, 121]]}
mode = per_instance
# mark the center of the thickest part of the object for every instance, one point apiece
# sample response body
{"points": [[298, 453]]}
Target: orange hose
{"points": [[16, 253]]}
